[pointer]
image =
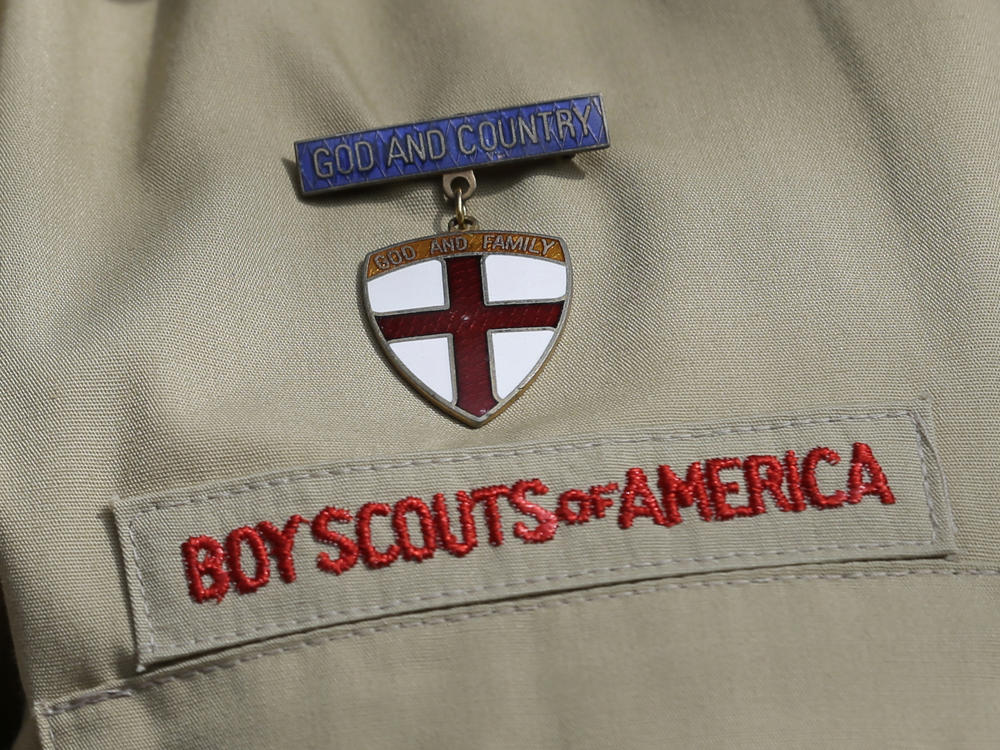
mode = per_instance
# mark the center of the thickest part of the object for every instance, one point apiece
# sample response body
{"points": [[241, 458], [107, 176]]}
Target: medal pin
{"points": [[468, 316]]}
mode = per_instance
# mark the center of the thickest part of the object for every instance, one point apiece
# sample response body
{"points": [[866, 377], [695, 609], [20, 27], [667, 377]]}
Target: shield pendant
{"points": [[468, 318]]}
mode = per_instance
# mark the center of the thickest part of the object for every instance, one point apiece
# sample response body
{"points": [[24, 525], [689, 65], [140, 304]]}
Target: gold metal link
{"points": [[462, 220]]}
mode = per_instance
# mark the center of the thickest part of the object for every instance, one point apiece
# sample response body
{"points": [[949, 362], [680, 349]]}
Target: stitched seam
{"points": [[150, 646], [927, 446], [104, 695], [922, 460], [142, 586], [924, 471], [461, 458], [359, 611]]}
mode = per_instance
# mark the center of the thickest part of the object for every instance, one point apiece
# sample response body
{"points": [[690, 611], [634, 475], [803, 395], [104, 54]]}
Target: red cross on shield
{"points": [[469, 318]]}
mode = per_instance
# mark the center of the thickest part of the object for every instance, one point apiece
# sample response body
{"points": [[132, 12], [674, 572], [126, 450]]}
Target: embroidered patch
{"points": [[276, 554]]}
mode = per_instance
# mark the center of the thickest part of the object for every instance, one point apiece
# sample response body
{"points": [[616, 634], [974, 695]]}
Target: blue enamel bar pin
{"points": [[451, 144], [468, 317]]}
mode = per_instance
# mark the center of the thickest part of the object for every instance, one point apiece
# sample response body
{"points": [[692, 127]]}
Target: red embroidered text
{"points": [[414, 530]]}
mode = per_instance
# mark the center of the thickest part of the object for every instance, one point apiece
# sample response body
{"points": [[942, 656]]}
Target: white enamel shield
{"points": [[469, 318]]}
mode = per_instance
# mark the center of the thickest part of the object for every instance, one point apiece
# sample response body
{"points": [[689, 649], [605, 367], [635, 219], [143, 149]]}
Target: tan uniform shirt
{"points": [[792, 244]]}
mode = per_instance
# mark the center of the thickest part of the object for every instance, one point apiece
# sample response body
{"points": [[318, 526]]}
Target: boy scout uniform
{"points": [[775, 397]]}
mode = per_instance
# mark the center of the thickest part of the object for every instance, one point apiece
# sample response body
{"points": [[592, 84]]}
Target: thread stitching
{"points": [[313, 619], [150, 646], [922, 437], [242, 489], [142, 585], [57, 709]]}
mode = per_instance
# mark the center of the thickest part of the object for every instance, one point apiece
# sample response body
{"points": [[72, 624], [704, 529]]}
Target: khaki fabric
{"points": [[798, 212]]}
